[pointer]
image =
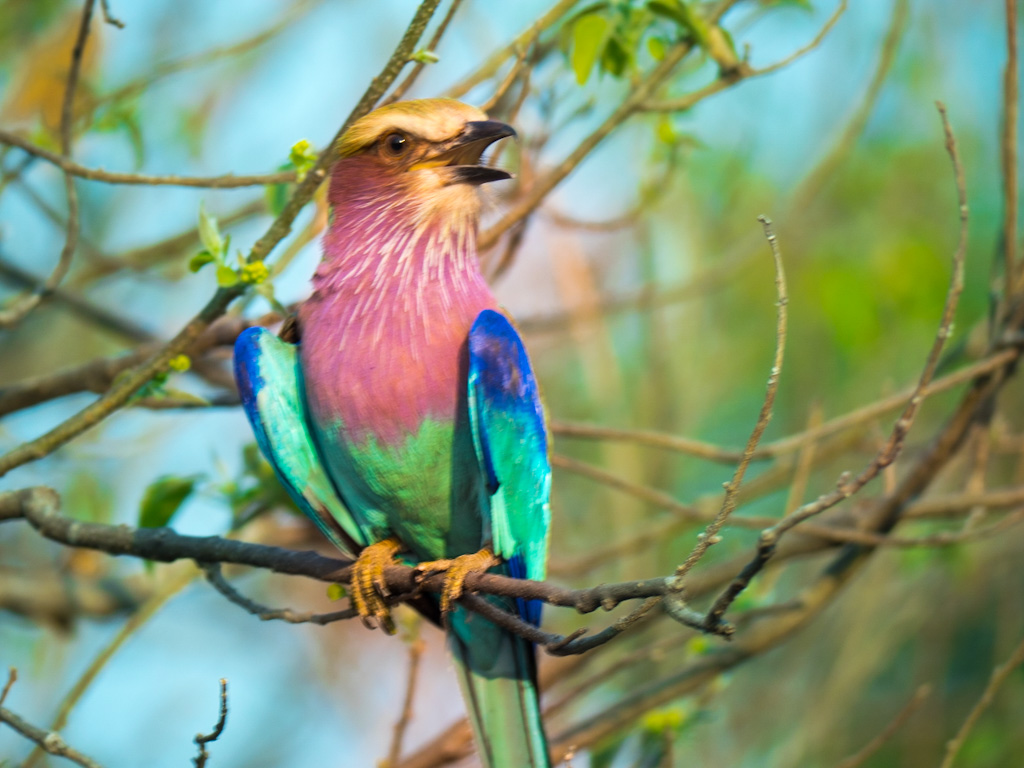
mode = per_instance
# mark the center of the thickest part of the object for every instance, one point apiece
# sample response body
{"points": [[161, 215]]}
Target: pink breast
{"points": [[382, 373]]}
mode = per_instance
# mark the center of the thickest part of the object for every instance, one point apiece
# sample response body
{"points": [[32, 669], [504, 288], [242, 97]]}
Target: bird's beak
{"points": [[462, 155]]}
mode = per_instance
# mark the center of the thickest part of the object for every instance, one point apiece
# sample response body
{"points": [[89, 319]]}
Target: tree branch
{"points": [[71, 168], [26, 303], [122, 390], [202, 740], [50, 742]]}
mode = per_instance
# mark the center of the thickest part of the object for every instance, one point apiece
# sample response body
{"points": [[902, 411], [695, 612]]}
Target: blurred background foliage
{"points": [[645, 289]]}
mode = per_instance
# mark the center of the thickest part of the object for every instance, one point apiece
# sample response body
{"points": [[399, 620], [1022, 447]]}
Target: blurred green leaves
{"points": [[163, 498], [590, 35], [611, 35], [301, 158], [215, 251], [256, 489]]}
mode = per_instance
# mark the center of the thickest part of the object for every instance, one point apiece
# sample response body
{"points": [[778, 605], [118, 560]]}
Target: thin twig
{"points": [[847, 485], [999, 676], [403, 87], [710, 534], [632, 104], [12, 678], [134, 622], [825, 170], [1012, 281], [202, 740], [293, 11], [218, 582], [493, 63], [152, 255], [78, 305], [27, 302], [642, 492], [804, 464], [224, 181], [109, 17], [100, 374], [50, 742], [865, 753], [511, 77], [785, 445], [121, 392], [416, 648], [730, 76]]}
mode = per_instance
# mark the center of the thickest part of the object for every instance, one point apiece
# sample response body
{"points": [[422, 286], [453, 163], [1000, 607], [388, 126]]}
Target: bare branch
{"points": [[846, 485], [49, 742], [513, 74], [403, 87], [12, 678], [26, 303], [201, 741], [121, 392], [729, 76], [293, 11], [109, 17], [642, 492], [669, 442], [491, 66], [1012, 280], [865, 753], [634, 103], [136, 620], [999, 676], [100, 374], [218, 582], [710, 534], [416, 648], [224, 181], [793, 443], [77, 305]]}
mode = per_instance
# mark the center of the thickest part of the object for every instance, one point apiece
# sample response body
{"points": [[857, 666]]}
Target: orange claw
{"points": [[368, 586], [457, 570]]}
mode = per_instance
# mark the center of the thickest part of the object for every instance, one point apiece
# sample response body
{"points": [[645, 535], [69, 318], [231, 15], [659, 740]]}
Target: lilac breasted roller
{"points": [[406, 420]]}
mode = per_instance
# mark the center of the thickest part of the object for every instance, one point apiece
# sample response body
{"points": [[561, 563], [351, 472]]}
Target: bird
{"points": [[401, 411]]}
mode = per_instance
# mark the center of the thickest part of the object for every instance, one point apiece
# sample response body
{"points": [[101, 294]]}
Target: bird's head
{"points": [[426, 151]]}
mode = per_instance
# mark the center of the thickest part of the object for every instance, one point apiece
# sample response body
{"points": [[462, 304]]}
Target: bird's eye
{"points": [[395, 144]]}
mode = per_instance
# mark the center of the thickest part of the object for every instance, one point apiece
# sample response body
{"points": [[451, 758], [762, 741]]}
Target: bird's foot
{"points": [[368, 586], [457, 570]]}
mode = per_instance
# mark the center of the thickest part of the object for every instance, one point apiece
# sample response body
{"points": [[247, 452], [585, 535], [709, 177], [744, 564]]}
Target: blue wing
{"points": [[270, 383], [511, 444]]}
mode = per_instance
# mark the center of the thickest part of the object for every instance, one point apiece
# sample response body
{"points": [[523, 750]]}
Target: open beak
{"points": [[463, 154]]}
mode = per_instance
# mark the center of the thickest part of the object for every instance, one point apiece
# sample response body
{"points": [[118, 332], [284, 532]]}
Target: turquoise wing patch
{"points": [[270, 384], [510, 439]]}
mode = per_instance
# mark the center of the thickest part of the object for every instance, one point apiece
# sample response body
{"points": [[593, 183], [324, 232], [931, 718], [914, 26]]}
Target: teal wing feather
{"points": [[497, 669], [509, 434], [270, 384]]}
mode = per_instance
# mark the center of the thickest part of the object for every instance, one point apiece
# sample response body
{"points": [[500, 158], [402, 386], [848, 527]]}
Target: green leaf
{"points": [[200, 260], [616, 58], [302, 158], [276, 195], [226, 276], [684, 16], [423, 56], [209, 233], [163, 498], [665, 131], [657, 47], [266, 290], [589, 37], [668, 9], [335, 591]]}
